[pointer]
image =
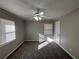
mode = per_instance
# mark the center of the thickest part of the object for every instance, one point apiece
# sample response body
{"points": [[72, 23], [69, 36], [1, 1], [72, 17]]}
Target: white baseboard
{"points": [[13, 50], [67, 51], [31, 40]]}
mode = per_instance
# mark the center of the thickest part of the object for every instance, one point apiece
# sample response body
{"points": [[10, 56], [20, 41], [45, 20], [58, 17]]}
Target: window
{"points": [[48, 29], [7, 31]]}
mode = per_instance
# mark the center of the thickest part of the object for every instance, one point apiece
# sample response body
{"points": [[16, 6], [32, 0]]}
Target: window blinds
{"points": [[7, 31]]}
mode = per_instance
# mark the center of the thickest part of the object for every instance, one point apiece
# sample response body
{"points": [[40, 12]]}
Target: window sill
{"points": [[4, 44]]}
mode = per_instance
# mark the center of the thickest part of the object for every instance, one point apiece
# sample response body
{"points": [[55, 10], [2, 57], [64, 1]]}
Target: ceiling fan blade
{"points": [[41, 13]]}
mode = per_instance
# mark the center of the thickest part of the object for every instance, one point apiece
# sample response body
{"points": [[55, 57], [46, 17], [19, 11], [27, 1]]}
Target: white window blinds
{"points": [[7, 31], [48, 29]]}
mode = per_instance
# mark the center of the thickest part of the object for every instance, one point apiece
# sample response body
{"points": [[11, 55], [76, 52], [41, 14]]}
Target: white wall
{"points": [[4, 50], [70, 33], [33, 28]]}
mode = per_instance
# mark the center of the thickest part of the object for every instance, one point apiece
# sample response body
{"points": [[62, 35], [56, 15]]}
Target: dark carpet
{"points": [[29, 50]]}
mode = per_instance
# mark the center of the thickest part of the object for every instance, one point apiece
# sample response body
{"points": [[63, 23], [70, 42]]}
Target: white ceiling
{"points": [[53, 8]]}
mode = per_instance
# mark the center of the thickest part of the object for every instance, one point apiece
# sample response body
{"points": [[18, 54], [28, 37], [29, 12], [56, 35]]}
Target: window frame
{"points": [[7, 42]]}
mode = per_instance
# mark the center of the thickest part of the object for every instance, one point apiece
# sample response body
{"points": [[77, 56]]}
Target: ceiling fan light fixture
{"points": [[36, 18], [38, 15], [40, 18]]}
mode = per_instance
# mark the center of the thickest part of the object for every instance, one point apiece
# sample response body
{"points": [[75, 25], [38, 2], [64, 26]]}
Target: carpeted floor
{"points": [[29, 50]]}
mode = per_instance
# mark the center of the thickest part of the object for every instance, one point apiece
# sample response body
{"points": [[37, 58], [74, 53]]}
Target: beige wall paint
{"points": [[4, 50], [70, 33]]}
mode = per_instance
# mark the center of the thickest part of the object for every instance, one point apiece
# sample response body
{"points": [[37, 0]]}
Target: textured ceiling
{"points": [[53, 8]]}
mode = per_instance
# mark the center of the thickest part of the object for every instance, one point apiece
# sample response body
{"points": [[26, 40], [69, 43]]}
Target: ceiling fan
{"points": [[38, 15]]}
